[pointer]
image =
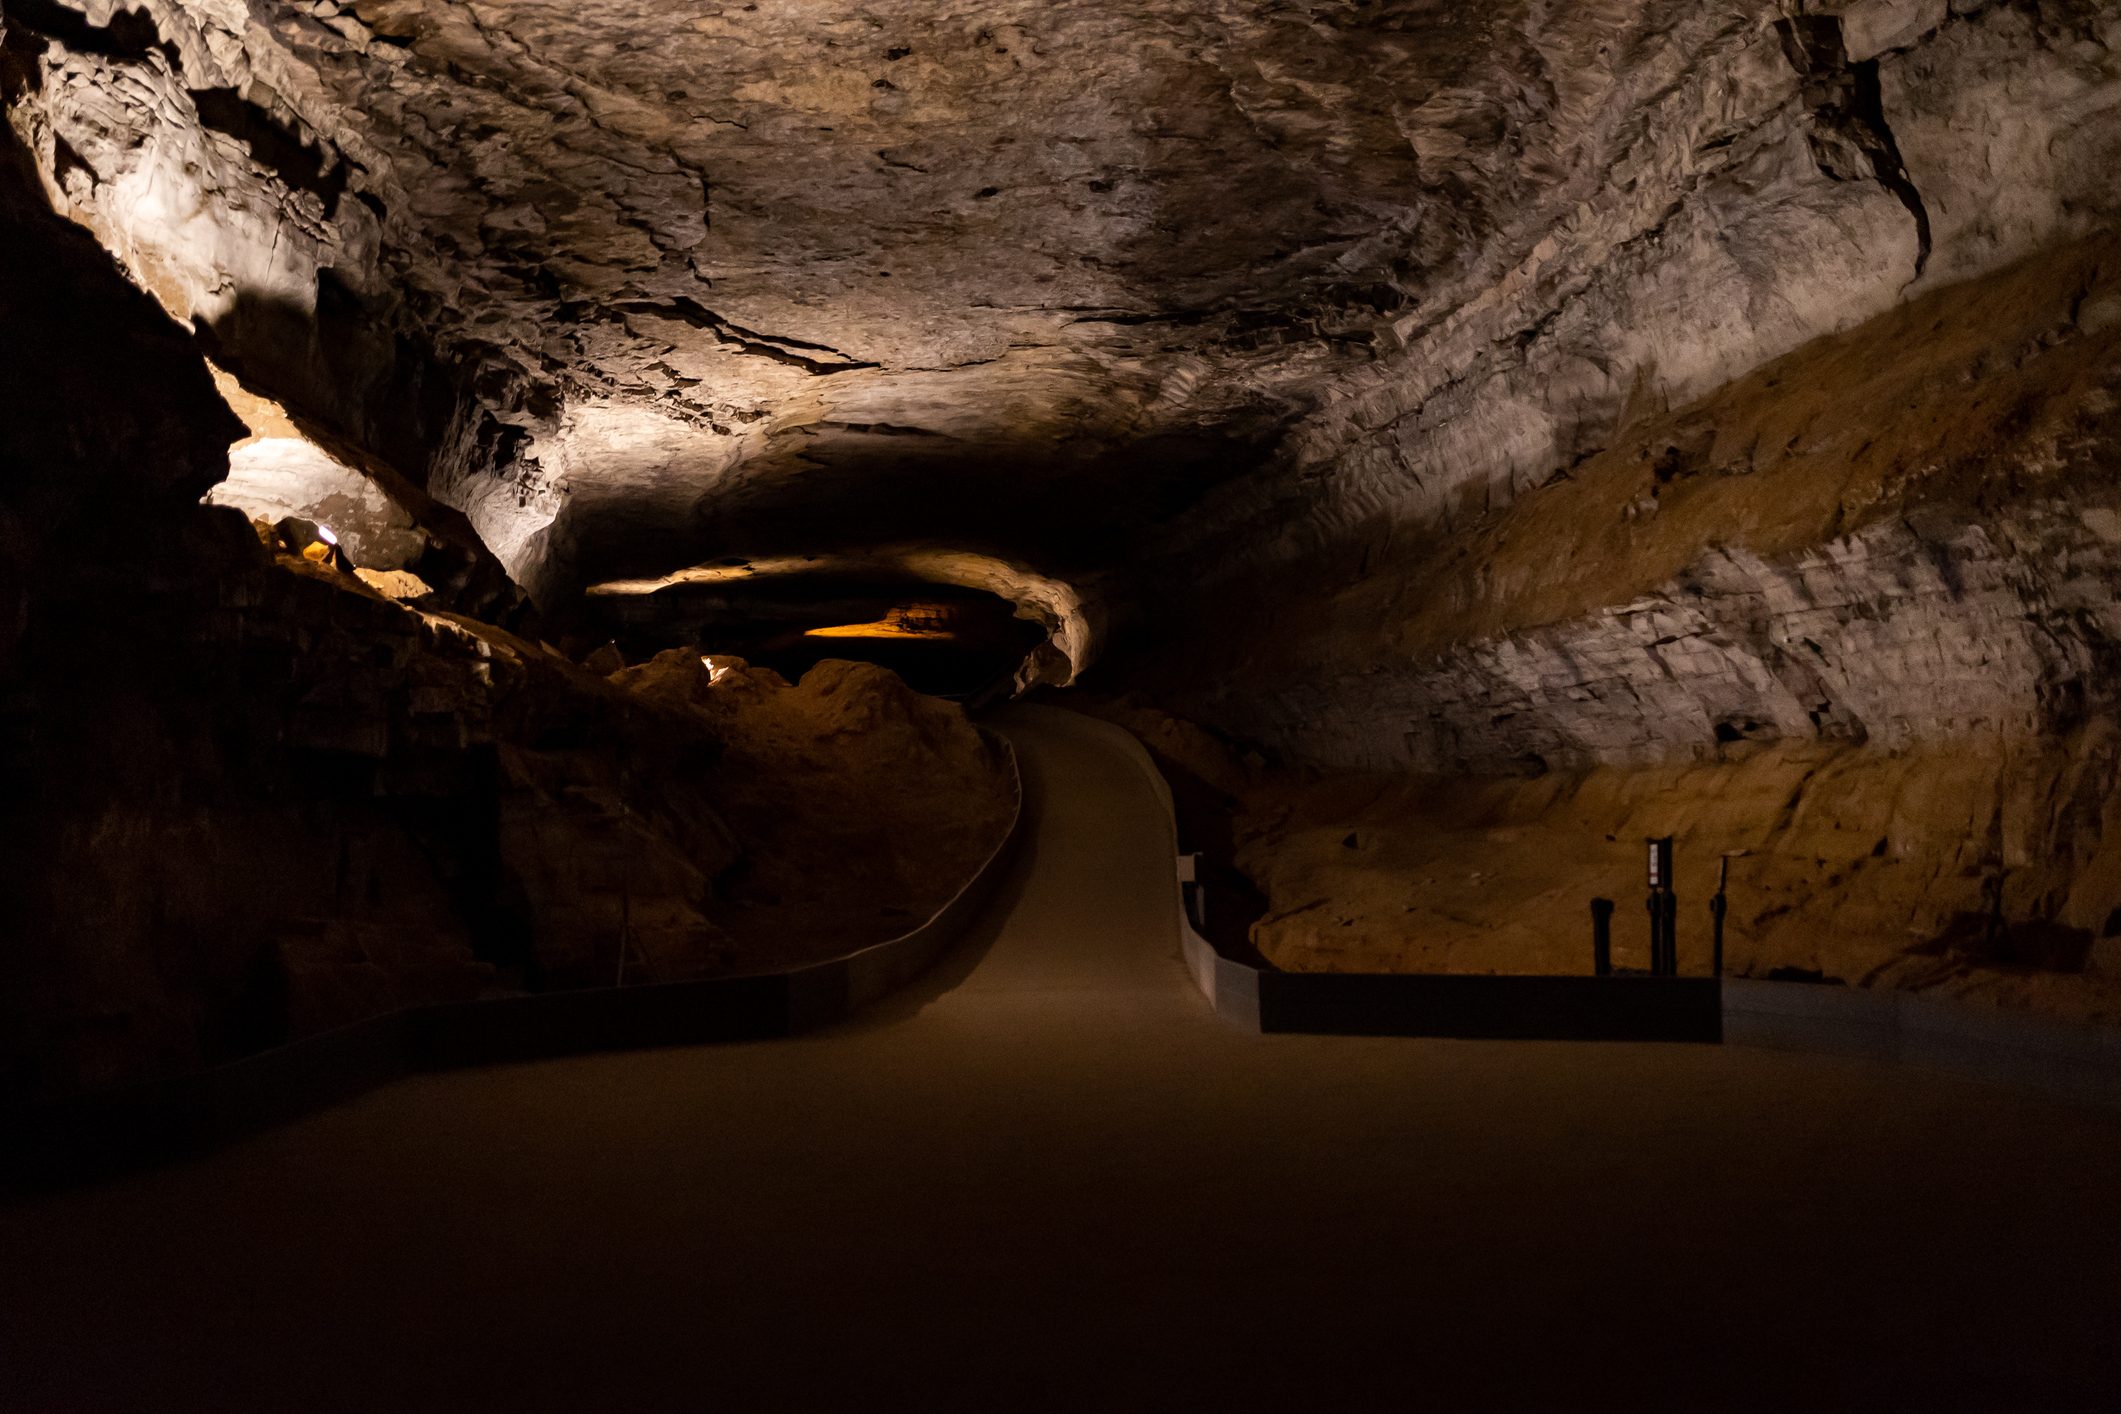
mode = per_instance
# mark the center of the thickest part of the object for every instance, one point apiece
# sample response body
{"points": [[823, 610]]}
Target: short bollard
{"points": [[1602, 937], [1718, 907]]}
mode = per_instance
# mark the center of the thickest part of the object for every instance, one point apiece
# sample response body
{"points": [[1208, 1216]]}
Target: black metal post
{"points": [[1718, 907], [1602, 937], [1671, 934]]}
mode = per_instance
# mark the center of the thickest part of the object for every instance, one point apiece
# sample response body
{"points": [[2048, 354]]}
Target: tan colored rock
{"points": [[395, 584], [1861, 865]]}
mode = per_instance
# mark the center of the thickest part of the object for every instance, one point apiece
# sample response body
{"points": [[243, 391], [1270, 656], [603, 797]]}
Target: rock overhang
{"points": [[770, 228]]}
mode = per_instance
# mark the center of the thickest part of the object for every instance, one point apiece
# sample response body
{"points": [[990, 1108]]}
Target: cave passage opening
{"points": [[945, 640]]}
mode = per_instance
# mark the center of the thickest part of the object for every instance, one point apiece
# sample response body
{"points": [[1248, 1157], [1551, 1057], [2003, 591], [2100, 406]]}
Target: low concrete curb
{"points": [[2072, 1061], [1399, 1004], [136, 1124]]}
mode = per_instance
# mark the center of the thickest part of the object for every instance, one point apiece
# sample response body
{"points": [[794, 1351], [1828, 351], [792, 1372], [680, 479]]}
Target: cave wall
{"points": [[239, 800], [1893, 534], [244, 797], [1793, 184], [181, 138], [1983, 867]]}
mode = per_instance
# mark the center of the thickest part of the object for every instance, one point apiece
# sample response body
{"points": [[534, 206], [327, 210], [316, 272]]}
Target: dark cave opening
{"points": [[943, 640]]}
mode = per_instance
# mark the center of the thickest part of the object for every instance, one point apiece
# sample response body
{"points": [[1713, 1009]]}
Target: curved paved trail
{"points": [[1050, 1179]]}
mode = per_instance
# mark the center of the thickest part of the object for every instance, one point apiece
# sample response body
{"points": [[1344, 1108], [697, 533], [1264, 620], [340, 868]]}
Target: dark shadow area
{"points": [[302, 165], [955, 967], [1084, 501], [103, 1134], [130, 36], [339, 368]]}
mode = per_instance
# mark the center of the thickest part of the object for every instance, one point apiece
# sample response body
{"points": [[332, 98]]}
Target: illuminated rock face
{"points": [[1521, 389], [1397, 385], [637, 287], [1902, 533]]}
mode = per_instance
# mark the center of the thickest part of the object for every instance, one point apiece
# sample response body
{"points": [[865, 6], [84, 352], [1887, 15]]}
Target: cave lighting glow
{"points": [[882, 628], [1051, 602]]}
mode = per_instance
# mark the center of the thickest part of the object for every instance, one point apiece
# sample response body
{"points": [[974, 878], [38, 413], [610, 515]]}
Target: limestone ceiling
{"points": [[1021, 276], [796, 252]]}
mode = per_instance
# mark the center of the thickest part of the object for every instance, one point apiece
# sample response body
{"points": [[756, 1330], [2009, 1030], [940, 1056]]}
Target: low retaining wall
{"points": [[1403, 1004], [2072, 1061], [1462, 1006], [164, 1118], [1473, 1007]]}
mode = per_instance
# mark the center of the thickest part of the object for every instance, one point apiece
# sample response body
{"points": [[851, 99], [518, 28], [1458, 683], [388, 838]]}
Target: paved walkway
{"points": [[1050, 1179]]}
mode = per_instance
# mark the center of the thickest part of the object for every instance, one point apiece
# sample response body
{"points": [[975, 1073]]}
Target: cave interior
{"points": [[472, 471]]}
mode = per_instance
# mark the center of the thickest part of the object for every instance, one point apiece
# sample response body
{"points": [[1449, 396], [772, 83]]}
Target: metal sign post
{"points": [[1664, 911]]}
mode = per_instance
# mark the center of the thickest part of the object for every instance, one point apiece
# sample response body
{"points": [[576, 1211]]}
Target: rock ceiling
{"points": [[1019, 262], [640, 285]]}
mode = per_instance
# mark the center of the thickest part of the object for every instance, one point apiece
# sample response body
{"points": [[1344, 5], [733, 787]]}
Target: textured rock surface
{"points": [[1766, 197], [1895, 534], [1416, 387], [1984, 868], [639, 288], [1980, 870], [307, 804], [864, 806]]}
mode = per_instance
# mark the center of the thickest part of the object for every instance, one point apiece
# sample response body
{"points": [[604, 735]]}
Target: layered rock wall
{"points": [[1894, 535], [1752, 200], [1793, 181], [1983, 869]]}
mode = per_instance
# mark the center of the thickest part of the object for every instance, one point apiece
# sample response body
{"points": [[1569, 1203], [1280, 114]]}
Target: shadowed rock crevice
{"points": [[1848, 113], [299, 165]]}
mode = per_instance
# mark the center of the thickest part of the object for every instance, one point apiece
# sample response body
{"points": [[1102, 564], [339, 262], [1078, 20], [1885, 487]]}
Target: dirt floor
{"points": [[1050, 1179]]}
